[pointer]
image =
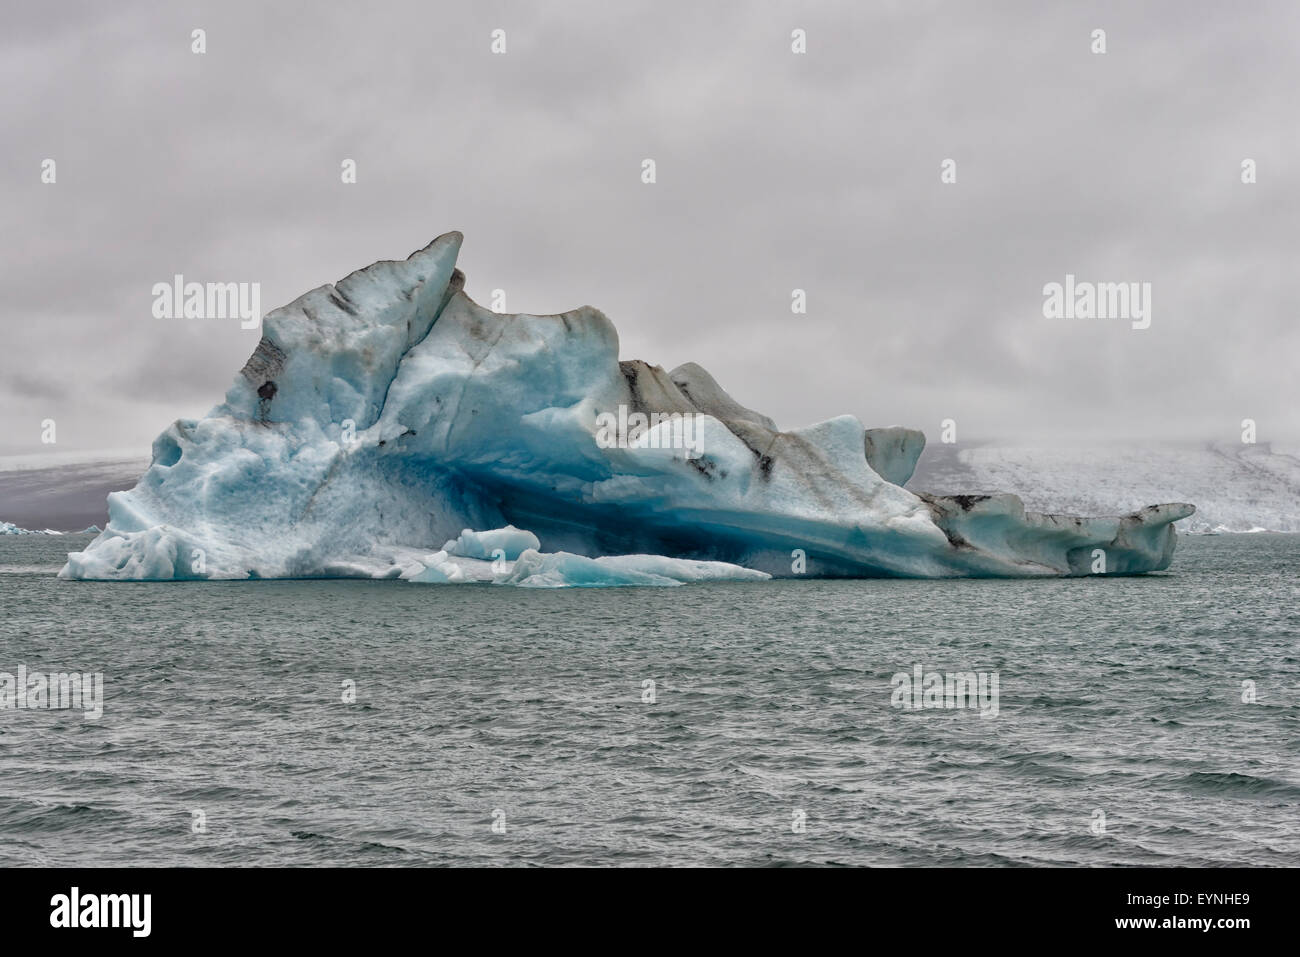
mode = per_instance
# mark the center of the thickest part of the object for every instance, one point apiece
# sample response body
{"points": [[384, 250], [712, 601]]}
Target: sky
{"points": [[774, 171]]}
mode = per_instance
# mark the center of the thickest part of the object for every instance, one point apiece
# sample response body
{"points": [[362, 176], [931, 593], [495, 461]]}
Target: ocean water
{"points": [[771, 740]]}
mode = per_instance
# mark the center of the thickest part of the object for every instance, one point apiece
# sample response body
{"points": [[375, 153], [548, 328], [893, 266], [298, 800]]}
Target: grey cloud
{"points": [[775, 172]]}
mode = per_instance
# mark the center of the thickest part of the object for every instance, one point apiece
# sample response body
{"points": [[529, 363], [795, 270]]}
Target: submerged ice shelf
{"points": [[388, 426]]}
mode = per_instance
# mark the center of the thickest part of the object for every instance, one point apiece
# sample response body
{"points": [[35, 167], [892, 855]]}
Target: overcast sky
{"points": [[775, 171]]}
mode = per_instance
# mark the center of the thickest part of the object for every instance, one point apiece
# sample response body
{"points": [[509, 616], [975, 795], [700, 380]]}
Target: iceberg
{"points": [[510, 542], [383, 419], [9, 528], [567, 570], [531, 568], [440, 570]]}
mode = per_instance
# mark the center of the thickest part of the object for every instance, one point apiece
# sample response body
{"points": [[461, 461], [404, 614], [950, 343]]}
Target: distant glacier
{"points": [[1236, 487]]}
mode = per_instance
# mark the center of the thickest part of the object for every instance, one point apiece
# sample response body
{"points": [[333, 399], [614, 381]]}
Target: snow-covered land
{"points": [[1236, 487], [382, 417]]}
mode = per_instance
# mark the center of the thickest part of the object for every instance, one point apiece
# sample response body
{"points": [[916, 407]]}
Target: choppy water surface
{"points": [[1119, 696]]}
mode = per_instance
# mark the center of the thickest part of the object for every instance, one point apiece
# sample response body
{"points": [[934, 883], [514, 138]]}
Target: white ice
{"points": [[509, 541], [382, 417]]}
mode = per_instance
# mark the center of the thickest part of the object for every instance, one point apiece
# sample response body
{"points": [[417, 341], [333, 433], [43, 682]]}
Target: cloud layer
{"points": [[775, 171]]}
